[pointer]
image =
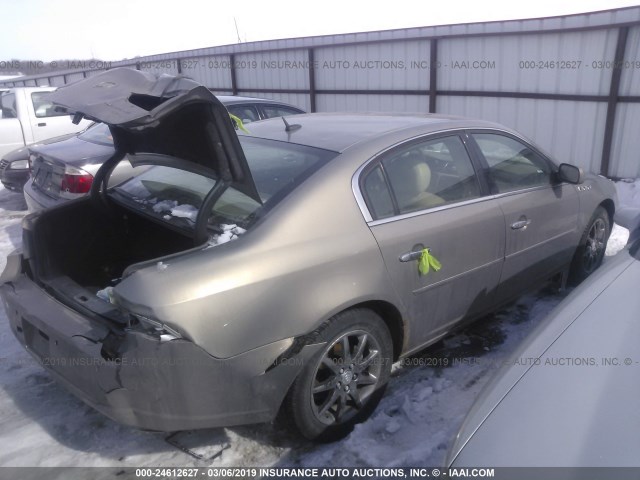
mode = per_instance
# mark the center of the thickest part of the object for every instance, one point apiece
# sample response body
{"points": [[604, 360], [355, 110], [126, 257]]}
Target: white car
{"points": [[27, 116]]}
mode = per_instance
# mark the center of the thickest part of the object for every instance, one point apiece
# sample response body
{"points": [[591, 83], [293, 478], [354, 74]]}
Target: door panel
{"points": [[468, 240], [545, 244], [540, 214], [426, 194]]}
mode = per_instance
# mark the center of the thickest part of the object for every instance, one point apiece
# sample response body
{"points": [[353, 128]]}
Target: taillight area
{"points": [[75, 182]]}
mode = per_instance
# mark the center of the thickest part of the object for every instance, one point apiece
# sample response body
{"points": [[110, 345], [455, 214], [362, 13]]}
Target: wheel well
{"points": [[392, 318], [609, 206]]}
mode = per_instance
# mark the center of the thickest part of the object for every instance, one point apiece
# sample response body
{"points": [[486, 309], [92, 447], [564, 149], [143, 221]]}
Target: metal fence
{"points": [[571, 83]]}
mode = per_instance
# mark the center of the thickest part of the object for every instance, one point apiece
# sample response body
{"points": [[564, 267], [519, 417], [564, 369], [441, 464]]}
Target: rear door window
{"points": [[421, 175], [377, 194]]}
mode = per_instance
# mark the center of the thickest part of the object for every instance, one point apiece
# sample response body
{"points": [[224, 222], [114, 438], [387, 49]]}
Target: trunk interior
{"points": [[93, 246]]}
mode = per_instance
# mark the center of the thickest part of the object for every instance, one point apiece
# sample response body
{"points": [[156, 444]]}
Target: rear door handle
{"points": [[409, 256], [520, 224]]}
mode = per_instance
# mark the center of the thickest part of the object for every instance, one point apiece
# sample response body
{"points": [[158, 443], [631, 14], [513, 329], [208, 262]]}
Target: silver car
{"points": [[285, 269], [569, 396]]}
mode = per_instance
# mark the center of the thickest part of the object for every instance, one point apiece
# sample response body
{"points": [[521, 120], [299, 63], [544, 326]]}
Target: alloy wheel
{"points": [[595, 245], [346, 376]]}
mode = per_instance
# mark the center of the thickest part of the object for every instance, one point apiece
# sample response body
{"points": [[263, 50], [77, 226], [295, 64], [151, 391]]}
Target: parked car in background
{"points": [[64, 170], [569, 396], [14, 166], [288, 268], [27, 116]]}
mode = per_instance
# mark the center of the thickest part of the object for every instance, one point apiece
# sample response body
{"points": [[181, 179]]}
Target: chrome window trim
{"points": [[417, 213]]}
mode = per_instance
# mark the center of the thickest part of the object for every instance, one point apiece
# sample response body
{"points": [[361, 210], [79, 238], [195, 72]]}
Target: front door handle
{"points": [[520, 224], [42, 124]]}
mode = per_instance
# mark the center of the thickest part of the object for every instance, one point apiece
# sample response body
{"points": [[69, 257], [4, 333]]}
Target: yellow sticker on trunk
{"points": [[428, 261]]}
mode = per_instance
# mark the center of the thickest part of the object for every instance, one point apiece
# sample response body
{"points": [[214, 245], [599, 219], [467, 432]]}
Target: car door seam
{"points": [[455, 277]]}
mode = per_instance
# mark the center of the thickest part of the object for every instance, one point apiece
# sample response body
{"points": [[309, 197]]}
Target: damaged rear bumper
{"points": [[166, 386]]}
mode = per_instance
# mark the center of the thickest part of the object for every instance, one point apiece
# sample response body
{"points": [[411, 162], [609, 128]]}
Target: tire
{"points": [[592, 246], [335, 391]]}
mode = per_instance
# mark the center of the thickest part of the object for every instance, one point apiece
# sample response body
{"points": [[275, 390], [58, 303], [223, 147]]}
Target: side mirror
{"points": [[570, 173]]}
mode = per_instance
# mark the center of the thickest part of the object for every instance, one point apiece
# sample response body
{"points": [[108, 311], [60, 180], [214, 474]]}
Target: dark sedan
{"points": [[14, 166]]}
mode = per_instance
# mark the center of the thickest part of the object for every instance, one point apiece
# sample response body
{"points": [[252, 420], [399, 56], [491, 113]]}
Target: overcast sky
{"points": [[118, 29]]}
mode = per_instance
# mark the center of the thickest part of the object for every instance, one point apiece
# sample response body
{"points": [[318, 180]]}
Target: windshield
{"points": [[176, 195], [97, 133]]}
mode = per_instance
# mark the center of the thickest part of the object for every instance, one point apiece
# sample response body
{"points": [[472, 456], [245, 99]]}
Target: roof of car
{"points": [[339, 131]]}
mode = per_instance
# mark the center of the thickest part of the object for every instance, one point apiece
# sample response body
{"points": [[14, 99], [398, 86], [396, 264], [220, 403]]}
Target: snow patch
{"points": [[105, 294], [185, 211], [229, 232], [617, 240], [165, 206], [175, 210]]}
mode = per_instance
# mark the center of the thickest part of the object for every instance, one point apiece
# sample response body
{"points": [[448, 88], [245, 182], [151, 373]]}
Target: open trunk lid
{"points": [[168, 115]]}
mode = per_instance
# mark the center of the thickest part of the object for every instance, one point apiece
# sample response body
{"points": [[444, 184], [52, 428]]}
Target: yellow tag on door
{"points": [[427, 261]]}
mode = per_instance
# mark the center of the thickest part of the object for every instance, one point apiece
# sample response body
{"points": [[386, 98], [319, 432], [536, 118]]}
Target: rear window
{"points": [[246, 113], [97, 133], [176, 196], [271, 111]]}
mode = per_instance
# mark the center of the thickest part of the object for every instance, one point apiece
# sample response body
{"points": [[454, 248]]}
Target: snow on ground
{"points": [[41, 424]]}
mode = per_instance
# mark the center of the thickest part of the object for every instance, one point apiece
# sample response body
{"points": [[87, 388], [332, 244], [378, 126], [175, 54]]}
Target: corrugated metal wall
{"points": [[625, 154], [571, 84]]}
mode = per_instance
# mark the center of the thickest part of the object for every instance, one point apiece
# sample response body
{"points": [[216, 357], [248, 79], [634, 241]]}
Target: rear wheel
{"points": [[592, 246], [344, 382]]}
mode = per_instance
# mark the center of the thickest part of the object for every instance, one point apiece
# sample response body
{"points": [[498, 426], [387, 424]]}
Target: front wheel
{"points": [[344, 382], [592, 246]]}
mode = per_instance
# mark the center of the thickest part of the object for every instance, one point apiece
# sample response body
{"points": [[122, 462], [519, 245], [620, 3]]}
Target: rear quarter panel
{"points": [[309, 258]]}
